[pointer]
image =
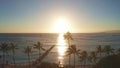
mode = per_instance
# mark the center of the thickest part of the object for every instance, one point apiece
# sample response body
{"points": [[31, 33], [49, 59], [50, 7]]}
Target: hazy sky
{"points": [[39, 15]]}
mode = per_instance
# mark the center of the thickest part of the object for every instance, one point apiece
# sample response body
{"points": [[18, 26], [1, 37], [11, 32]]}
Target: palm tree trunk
{"points": [[39, 51], [69, 55], [100, 54], [70, 61], [84, 63], [29, 60], [14, 58], [3, 59], [74, 60]]}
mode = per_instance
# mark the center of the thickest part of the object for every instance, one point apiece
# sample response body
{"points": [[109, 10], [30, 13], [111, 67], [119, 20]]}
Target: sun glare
{"points": [[61, 25], [61, 45], [61, 28], [61, 49]]}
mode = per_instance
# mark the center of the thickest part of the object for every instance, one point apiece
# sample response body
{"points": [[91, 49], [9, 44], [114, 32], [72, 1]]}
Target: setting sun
{"points": [[59, 33], [61, 25]]}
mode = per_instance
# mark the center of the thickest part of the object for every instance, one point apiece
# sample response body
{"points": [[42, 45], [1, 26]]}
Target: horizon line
{"points": [[51, 32]]}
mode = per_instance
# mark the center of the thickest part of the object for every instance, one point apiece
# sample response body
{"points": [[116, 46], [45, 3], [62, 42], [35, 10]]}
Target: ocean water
{"points": [[83, 41]]}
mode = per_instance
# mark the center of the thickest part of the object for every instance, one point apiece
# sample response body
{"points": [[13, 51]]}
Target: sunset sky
{"points": [[39, 16]]}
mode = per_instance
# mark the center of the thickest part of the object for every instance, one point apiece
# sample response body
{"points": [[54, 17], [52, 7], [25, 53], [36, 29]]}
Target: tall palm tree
{"points": [[68, 53], [4, 48], [68, 37], [13, 47], [73, 50], [99, 50], [39, 47], [83, 57], [108, 50], [28, 51]]}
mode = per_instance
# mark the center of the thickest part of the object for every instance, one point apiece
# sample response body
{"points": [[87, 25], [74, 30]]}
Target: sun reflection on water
{"points": [[61, 49]]}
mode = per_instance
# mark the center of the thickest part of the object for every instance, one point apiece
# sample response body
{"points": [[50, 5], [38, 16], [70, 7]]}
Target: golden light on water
{"points": [[61, 27], [61, 45], [61, 49]]}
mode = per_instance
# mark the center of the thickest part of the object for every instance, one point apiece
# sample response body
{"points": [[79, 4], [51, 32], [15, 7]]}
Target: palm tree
{"points": [[28, 51], [108, 50], [68, 37], [39, 47], [83, 57], [118, 52], [94, 56], [90, 59], [4, 48], [13, 47], [99, 50], [73, 50], [69, 51]]}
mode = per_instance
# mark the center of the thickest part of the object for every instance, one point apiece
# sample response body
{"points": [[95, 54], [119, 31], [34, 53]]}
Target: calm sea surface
{"points": [[83, 41]]}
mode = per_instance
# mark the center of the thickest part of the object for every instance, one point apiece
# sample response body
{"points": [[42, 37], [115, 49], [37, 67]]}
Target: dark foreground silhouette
{"points": [[112, 61]]}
